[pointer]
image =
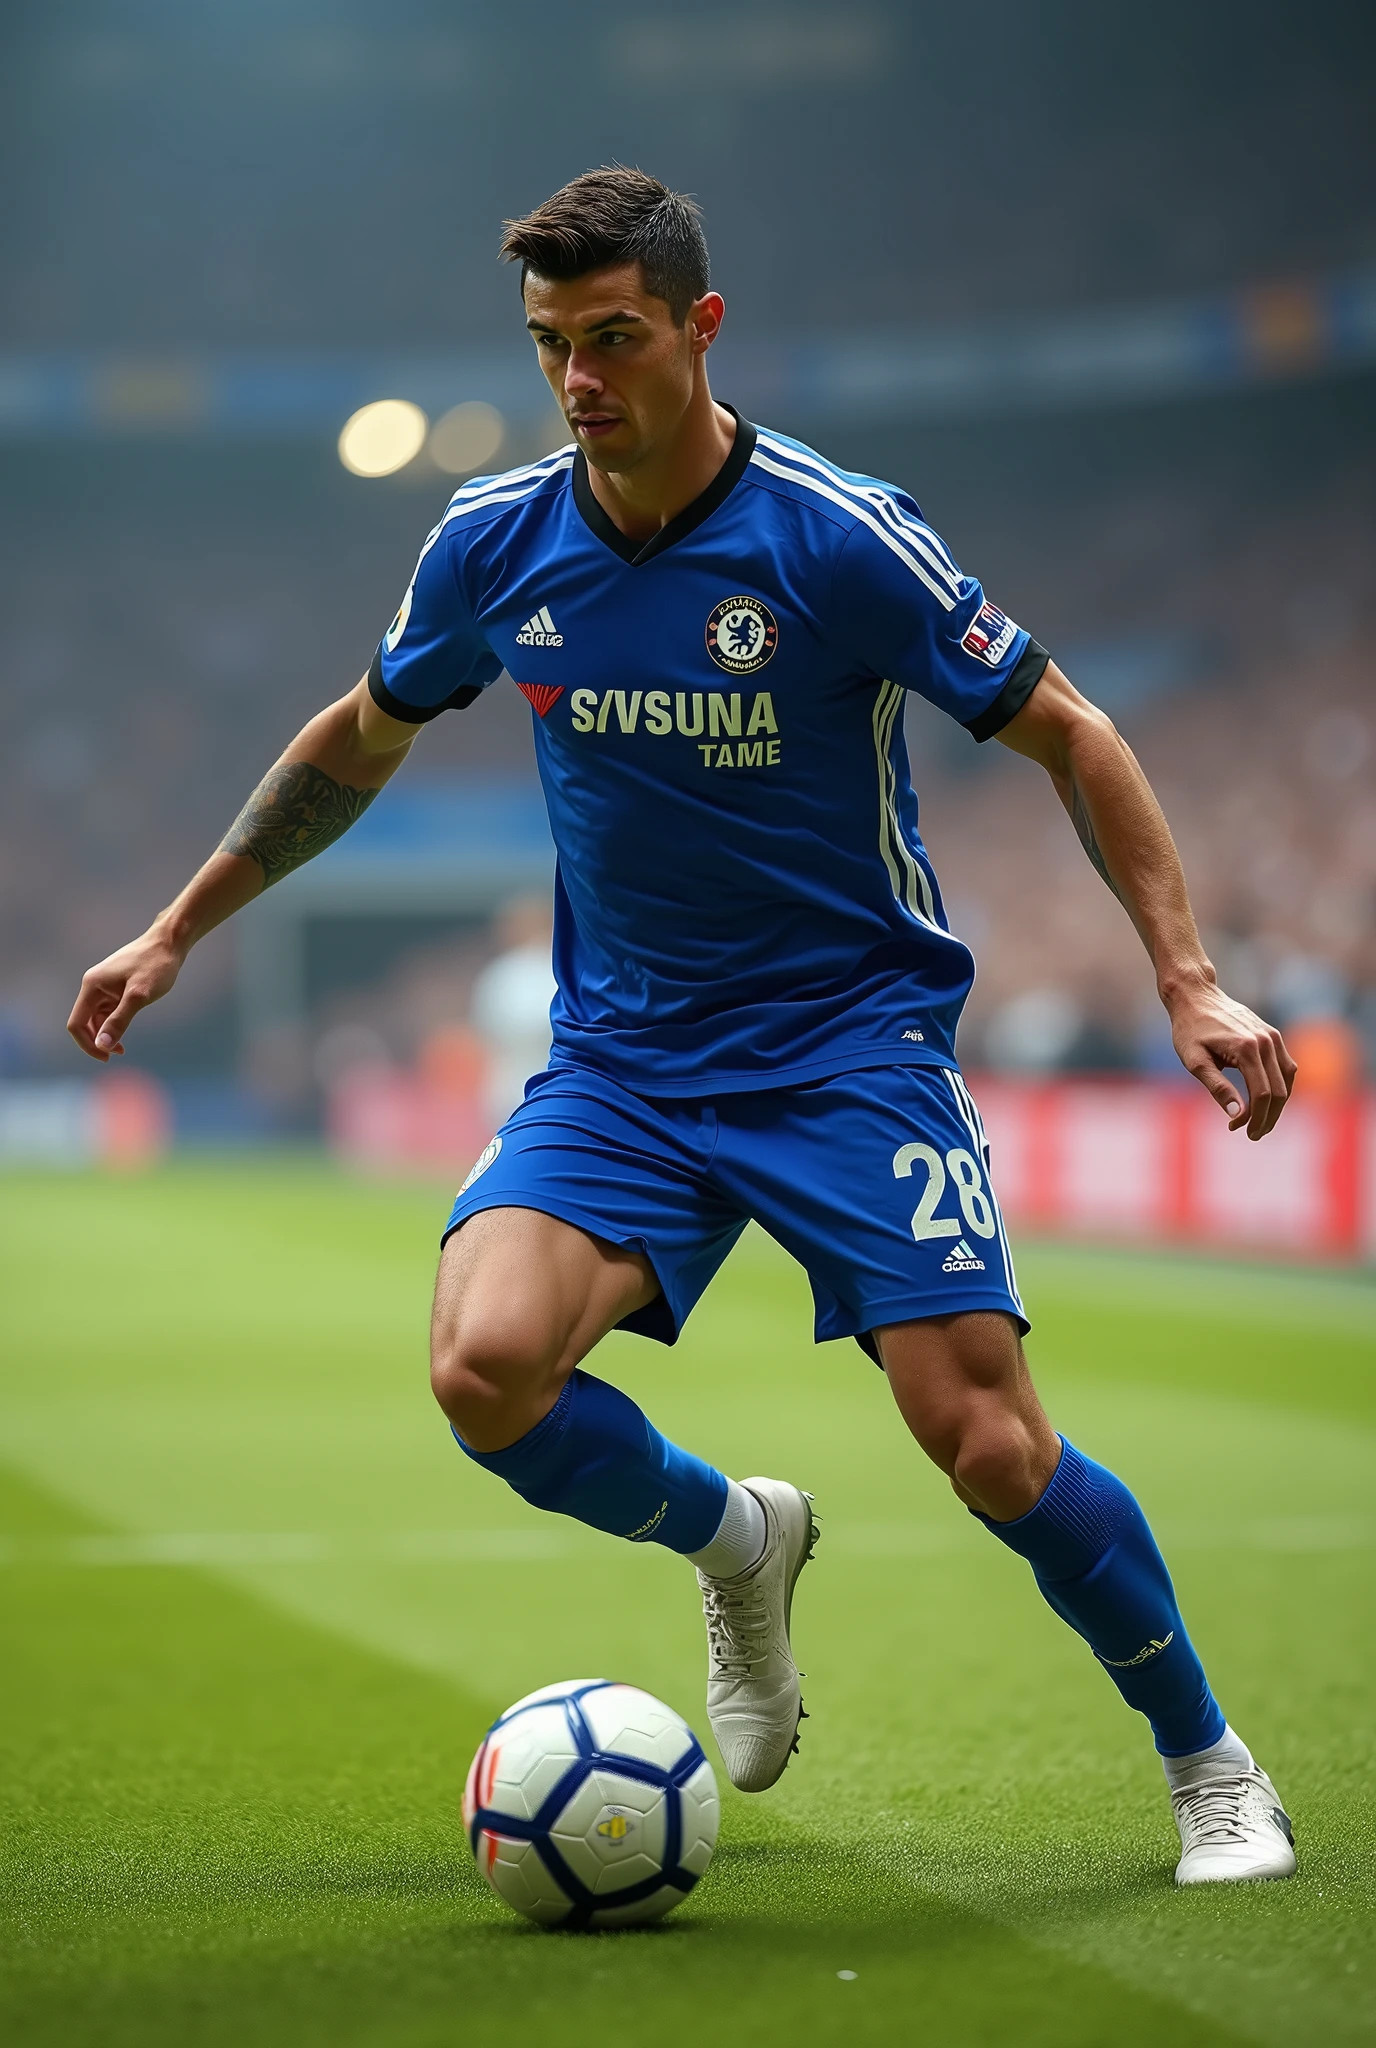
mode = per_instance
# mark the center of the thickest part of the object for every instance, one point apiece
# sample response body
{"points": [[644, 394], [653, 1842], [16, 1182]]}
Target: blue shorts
{"points": [[877, 1182]]}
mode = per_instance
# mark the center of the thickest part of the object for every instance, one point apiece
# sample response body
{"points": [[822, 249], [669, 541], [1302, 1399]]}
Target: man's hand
{"points": [[113, 993], [1123, 831], [326, 779], [1211, 1033]]}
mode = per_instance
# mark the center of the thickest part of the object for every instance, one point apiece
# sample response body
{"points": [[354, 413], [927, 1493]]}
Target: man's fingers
{"points": [[1242, 1061], [93, 1004], [114, 991], [110, 1036], [1271, 1048], [1221, 1086], [1267, 1073], [1246, 1057], [1260, 1065]]}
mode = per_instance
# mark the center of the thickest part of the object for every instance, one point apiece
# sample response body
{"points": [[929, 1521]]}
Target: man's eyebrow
{"points": [[595, 327]]}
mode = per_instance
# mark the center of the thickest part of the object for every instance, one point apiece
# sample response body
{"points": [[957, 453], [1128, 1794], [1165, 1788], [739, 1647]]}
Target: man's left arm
{"points": [[1123, 830]]}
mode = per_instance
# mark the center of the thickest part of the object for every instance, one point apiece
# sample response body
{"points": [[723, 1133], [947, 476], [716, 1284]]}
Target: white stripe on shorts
{"points": [[974, 1123]]}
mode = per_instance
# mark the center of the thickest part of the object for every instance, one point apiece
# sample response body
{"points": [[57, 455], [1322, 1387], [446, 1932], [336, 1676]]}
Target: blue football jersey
{"points": [[742, 897]]}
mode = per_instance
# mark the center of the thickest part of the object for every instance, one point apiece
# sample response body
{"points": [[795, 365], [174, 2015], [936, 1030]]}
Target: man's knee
{"points": [[998, 1461], [497, 1363], [965, 1393], [521, 1297], [487, 1369]]}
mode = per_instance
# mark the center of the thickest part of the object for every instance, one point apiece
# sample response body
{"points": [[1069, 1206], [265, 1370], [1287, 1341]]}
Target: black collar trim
{"points": [[703, 506]]}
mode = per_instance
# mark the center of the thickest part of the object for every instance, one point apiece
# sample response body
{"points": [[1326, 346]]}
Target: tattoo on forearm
{"points": [[1079, 816], [295, 813]]}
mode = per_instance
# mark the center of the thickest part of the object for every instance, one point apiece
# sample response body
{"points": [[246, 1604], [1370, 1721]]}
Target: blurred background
{"points": [[1100, 293]]}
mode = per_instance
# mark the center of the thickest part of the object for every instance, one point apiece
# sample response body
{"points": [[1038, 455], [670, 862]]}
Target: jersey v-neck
{"points": [[634, 552]]}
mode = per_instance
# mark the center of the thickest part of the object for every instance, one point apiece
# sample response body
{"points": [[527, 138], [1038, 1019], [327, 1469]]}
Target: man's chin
{"points": [[612, 453]]}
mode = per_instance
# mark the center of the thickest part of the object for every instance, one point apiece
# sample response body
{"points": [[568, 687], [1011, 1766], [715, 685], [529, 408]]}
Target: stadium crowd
{"points": [[176, 609], [143, 703]]}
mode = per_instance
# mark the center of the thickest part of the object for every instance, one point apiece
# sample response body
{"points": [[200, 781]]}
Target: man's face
{"points": [[619, 364]]}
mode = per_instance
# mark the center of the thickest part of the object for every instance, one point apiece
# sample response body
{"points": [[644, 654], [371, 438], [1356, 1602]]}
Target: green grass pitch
{"points": [[257, 1612]]}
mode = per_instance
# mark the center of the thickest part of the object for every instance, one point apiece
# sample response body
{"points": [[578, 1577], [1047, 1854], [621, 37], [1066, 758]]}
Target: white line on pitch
{"points": [[1294, 1535]]}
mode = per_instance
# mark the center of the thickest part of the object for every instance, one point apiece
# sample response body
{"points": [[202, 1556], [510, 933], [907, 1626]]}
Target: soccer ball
{"points": [[591, 1804]]}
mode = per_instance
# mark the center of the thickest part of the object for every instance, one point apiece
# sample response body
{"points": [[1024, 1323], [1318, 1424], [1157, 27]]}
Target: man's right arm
{"points": [[324, 781]]}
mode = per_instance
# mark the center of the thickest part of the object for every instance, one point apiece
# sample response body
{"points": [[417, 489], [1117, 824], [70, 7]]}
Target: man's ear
{"points": [[705, 316]]}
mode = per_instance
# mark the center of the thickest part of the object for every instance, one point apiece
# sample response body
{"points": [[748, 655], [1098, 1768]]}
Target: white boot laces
{"points": [[737, 1626], [1213, 1810]]}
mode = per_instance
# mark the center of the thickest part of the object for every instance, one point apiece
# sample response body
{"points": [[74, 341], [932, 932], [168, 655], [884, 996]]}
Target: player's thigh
{"points": [[587, 1210], [520, 1292], [961, 1377]]}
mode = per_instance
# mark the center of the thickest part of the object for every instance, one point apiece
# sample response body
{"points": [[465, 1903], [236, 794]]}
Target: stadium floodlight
{"points": [[382, 437], [466, 437]]}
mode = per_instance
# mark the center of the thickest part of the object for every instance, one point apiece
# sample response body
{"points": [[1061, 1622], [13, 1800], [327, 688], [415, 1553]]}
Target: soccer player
{"points": [[758, 990]]}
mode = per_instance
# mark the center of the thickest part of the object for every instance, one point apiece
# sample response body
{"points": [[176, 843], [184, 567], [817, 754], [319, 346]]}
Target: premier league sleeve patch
{"points": [[989, 635]]}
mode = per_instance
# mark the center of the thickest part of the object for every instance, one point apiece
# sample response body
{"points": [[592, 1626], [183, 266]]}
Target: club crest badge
{"points": [[482, 1162], [742, 634]]}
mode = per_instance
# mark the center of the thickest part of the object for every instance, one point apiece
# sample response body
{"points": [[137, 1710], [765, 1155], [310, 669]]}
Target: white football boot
{"points": [[1233, 1828], [753, 1699]]}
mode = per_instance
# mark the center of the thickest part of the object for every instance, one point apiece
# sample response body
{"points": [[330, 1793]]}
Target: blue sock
{"points": [[598, 1458], [1097, 1564]]}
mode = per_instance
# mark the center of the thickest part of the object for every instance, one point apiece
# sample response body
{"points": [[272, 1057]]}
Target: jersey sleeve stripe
{"points": [[916, 531], [890, 540]]}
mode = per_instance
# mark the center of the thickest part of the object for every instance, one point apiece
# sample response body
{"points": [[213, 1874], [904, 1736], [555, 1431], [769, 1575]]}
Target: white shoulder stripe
{"points": [[459, 504], [546, 466], [915, 531], [867, 518], [524, 490], [875, 494], [519, 483], [868, 488]]}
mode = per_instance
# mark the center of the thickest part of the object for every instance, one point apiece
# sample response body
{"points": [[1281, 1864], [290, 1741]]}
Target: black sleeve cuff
{"points": [[414, 714], [1030, 669]]}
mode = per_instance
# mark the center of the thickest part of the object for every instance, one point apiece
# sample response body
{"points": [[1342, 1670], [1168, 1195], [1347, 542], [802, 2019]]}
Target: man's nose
{"points": [[582, 373]]}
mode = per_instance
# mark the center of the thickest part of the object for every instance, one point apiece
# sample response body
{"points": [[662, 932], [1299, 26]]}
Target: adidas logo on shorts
{"points": [[961, 1260], [540, 631]]}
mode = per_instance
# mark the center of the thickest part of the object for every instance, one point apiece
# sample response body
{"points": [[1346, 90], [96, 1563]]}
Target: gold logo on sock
{"points": [[1144, 1655], [648, 1528]]}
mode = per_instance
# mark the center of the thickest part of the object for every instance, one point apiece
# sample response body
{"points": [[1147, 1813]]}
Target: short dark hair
{"points": [[615, 215]]}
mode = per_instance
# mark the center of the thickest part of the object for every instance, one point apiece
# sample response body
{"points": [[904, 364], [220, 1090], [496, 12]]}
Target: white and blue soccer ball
{"points": [[591, 1804]]}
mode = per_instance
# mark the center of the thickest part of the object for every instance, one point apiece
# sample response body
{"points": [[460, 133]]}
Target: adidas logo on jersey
{"points": [[540, 631], [961, 1260]]}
